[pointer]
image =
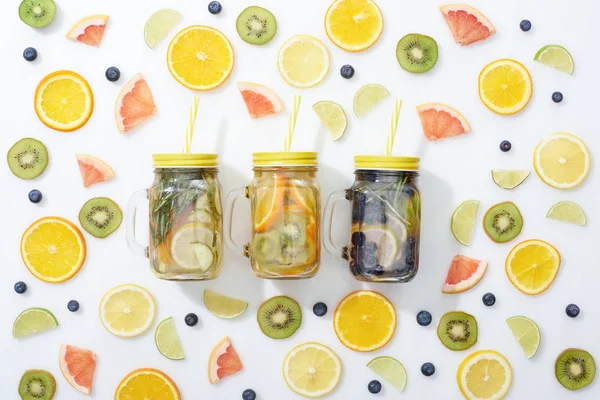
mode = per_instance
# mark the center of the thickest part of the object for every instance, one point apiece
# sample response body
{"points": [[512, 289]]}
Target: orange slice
{"points": [[147, 383], [224, 361], [78, 367], [134, 105], [93, 170], [505, 86], [269, 199], [440, 121], [354, 25], [89, 30], [466, 23], [532, 266]]}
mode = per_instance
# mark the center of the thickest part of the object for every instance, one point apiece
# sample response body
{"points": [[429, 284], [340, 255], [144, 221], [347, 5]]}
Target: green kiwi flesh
{"points": [[266, 247], [256, 25], [575, 369], [417, 53], [457, 330], [279, 317], [503, 222], [27, 158], [37, 384], [37, 13], [100, 216]]}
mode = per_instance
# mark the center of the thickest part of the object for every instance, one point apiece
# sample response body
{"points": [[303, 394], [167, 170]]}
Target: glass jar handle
{"points": [[134, 201], [232, 198], [333, 199]]}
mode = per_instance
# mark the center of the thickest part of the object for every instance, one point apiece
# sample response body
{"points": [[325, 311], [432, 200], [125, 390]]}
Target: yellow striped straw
{"points": [[189, 134], [393, 127], [292, 123]]}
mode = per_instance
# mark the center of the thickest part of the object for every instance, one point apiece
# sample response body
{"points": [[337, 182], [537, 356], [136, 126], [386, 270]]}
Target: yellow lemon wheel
{"points": [[354, 25], [562, 160], [505, 86], [127, 310], [484, 375], [532, 266]]}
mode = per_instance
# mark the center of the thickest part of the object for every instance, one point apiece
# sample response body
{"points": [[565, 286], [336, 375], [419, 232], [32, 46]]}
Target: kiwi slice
{"points": [[279, 317], [256, 25], [27, 158], [292, 228], [417, 53], [266, 247], [37, 384], [575, 369], [503, 222], [100, 216], [37, 13], [457, 330]]}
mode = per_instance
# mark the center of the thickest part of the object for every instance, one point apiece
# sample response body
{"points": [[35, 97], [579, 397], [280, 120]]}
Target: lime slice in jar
{"points": [[191, 247]]}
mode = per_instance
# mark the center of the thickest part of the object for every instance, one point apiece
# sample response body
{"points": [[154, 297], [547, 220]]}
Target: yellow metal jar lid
{"points": [[285, 158], [185, 160], [387, 162]]}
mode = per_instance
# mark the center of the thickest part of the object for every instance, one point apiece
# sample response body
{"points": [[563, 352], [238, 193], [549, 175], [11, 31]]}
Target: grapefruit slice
{"points": [[223, 361], [440, 121], [260, 100], [78, 366], [134, 105], [89, 30], [464, 273], [93, 170], [467, 24]]}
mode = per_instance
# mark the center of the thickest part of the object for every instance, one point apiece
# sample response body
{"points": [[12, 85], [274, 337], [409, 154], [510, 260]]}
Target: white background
{"points": [[452, 171]]}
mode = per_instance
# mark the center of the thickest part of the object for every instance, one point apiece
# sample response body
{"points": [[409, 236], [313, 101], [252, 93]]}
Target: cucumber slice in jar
{"points": [[204, 254]]}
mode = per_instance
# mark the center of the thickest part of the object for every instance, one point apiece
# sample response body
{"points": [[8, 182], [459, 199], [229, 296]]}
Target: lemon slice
{"points": [[159, 24], [312, 370], [333, 117], [303, 61], [562, 160], [167, 341], [353, 25], [223, 306], [509, 178], [463, 221], [391, 370], [127, 310], [191, 247], [484, 375], [367, 97], [527, 334], [556, 56], [532, 266], [505, 86], [567, 211], [32, 321]]}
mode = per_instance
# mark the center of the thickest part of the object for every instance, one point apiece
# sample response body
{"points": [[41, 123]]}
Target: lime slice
{"points": [[556, 56], [368, 97], [223, 306], [33, 320], [332, 115], [567, 211], [167, 340], [463, 221], [159, 24], [391, 370], [509, 178], [527, 334]]}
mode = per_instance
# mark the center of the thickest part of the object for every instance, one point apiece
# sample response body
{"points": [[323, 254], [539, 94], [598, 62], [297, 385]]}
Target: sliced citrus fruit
{"points": [[260, 100], [509, 178], [463, 221], [32, 321], [224, 361], [312, 370], [466, 23], [269, 203], [562, 160], [440, 121], [93, 170], [53, 249], [223, 306], [159, 24], [303, 61], [367, 97], [333, 117], [484, 375], [556, 56], [167, 340], [78, 367], [192, 247], [527, 334], [302, 196], [364, 321], [464, 273], [64, 101], [89, 30], [200, 57], [505, 86], [147, 383], [567, 211], [391, 370], [127, 310], [388, 238], [134, 105], [532, 266], [353, 25]]}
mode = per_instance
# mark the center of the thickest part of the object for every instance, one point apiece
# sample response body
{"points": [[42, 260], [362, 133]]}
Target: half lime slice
{"points": [[167, 341], [391, 370], [333, 117], [223, 306], [509, 178], [463, 221], [159, 24], [556, 56], [368, 97], [567, 211], [32, 321], [527, 334]]}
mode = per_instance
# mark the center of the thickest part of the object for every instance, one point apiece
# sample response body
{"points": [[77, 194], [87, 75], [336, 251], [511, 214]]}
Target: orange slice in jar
{"points": [[269, 204], [303, 196]]}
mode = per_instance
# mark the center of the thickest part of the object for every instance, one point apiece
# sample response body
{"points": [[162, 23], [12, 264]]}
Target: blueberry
{"points": [[113, 74], [489, 299], [572, 310], [35, 196], [20, 287], [375, 213], [428, 369], [320, 309], [370, 247], [73, 305], [30, 54], [214, 7], [505, 146], [370, 260], [347, 71], [374, 387], [249, 394], [354, 253], [525, 25], [424, 318], [191, 319], [557, 97], [358, 238]]}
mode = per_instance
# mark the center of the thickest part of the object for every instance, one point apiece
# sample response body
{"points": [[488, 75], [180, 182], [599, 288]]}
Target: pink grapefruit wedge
{"points": [[134, 105], [93, 170], [89, 30], [224, 361], [466, 23], [78, 367], [464, 273], [260, 100], [440, 121]]}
